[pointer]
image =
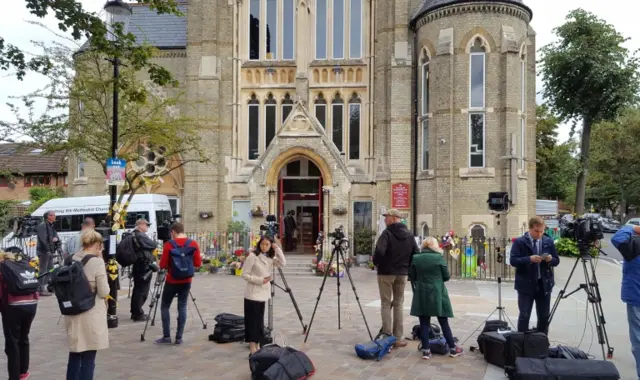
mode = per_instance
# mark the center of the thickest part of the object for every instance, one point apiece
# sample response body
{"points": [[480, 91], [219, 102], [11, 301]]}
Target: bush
{"points": [[569, 247], [237, 226], [38, 195], [363, 241]]}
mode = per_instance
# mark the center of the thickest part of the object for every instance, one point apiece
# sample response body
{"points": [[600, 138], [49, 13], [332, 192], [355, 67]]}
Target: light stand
{"points": [[118, 12], [337, 252], [590, 286], [502, 314]]}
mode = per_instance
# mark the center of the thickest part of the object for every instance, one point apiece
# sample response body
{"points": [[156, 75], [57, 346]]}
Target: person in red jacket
{"points": [[18, 312], [173, 286]]}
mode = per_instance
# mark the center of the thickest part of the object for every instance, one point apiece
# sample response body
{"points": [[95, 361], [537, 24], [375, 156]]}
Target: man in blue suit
{"points": [[533, 255]]}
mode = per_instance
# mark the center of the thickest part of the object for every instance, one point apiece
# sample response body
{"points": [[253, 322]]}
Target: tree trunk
{"points": [[584, 165]]}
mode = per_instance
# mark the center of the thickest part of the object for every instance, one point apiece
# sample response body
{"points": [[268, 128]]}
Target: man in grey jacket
{"points": [[47, 242], [74, 244]]}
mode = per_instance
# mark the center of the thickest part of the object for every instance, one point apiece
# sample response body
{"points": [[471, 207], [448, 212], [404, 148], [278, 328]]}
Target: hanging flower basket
{"points": [[257, 212], [340, 210]]}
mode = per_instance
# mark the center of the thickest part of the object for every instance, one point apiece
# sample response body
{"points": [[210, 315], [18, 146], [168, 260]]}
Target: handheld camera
{"points": [[164, 228]]}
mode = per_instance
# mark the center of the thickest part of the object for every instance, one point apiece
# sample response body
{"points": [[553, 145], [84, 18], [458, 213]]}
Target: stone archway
{"points": [[293, 154]]}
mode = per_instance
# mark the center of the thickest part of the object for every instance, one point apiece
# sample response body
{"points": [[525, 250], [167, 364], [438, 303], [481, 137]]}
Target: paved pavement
{"points": [[330, 349]]}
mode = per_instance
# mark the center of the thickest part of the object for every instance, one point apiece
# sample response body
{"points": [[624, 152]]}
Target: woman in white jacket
{"points": [[257, 271]]}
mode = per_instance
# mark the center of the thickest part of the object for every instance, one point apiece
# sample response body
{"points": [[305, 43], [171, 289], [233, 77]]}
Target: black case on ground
{"points": [[492, 344], [491, 326], [227, 334], [229, 319], [531, 344], [564, 369]]}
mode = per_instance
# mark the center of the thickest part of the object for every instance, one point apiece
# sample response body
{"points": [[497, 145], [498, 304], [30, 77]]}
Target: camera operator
{"points": [[142, 268], [533, 255], [48, 242], [75, 243]]}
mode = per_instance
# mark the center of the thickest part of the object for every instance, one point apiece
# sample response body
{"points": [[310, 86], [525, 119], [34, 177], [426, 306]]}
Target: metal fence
{"points": [[479, 259]]}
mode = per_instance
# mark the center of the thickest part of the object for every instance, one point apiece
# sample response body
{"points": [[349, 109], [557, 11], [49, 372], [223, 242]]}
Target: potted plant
{"points": [[215, 266], [363, 242]]}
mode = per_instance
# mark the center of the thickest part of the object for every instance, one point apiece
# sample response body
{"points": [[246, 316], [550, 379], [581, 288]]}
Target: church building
{"points": [[340, 109]]}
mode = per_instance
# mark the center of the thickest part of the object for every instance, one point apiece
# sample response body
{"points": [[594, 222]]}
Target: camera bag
{"points": [[126, 250], [530, 344], [492, 326], [416, 332], [564, 369], [492, 344], [229, 319], [376, 349], [273, 362], [227, 334], [72, 288]]}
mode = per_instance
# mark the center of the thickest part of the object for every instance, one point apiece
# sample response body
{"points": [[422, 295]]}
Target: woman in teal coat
{"points": [[428, 273]]}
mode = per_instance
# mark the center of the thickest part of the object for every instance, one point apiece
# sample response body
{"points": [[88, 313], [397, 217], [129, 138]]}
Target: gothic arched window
{"points": [[253, 117], [477, 80], [337, 122], [321, 110], [424, 109], [287, 107], [523, 107], [270, 110], [355, 121]]}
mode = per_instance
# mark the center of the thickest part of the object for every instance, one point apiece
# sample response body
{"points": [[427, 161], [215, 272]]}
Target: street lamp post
{"points": [[117, 12]]}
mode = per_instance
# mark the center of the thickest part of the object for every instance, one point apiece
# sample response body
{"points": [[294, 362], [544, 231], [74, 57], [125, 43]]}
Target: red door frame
{"points": [[281, 207]]}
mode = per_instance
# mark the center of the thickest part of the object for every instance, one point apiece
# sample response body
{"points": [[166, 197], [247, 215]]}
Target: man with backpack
{"points": [[180, 258], [48, 242], [144, 248], [19, 302]]}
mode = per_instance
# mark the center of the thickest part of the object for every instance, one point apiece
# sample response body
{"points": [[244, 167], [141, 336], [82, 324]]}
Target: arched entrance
{"points": [[300, 204]]}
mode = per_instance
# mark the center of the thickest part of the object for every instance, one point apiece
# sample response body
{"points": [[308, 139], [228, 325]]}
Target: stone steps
{"points": [[298, 266]]}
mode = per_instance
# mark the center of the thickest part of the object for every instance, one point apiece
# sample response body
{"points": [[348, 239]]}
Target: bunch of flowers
{"points": [[321, 267]]}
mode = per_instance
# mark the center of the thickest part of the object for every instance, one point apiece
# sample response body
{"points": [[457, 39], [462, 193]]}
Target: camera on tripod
{"points": [[585, 231], [25, 226], [271, 228], [339, 237]]}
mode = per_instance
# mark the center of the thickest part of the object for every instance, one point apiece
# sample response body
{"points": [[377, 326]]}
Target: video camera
{"points": [[164, 228], [271, 228], [25, 226], [585, 231], [339, 237]]}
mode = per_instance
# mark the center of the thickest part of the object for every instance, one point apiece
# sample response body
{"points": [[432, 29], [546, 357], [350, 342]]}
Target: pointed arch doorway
{"points": [[300, 195]]}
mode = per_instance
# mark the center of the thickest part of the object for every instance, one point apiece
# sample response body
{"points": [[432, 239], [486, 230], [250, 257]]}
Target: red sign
{"points": [[400, 196]]}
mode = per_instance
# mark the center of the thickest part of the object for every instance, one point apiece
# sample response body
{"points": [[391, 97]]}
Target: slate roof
{"points": [[163, 31], [18, 158], [431, 5]]}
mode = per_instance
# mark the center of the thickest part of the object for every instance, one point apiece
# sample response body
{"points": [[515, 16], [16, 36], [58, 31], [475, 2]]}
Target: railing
{"points": [[479, 259]]}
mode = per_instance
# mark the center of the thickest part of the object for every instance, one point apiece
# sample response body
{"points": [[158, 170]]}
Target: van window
{"points": [[97, 218], [162, 217], [133, 217]]}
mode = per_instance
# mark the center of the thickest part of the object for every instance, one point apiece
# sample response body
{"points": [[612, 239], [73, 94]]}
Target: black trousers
{"points": [[543, 306], [140, 292], [16, 323], [253, 321]]}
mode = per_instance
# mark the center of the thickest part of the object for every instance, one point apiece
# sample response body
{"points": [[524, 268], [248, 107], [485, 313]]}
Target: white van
{"points": [[70, 212]]}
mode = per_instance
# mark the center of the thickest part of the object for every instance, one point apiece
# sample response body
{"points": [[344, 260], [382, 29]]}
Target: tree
{"points": [[588, 75], [557, 168], [155, 136], [39, 195], [83, 24], [614, 163]]}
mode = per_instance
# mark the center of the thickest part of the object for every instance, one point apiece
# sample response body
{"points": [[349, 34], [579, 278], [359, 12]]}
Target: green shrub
{"points": [[569, 247], [237, 226], [38, 195]]}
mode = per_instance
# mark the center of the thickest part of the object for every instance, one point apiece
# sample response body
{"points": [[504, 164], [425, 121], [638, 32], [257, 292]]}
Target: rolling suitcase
{"points": [[492, 344], [564, 369], [531, 344], [492, 326]]}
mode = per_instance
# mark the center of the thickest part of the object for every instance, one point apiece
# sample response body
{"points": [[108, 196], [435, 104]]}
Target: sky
{"points": [[547, 14]]}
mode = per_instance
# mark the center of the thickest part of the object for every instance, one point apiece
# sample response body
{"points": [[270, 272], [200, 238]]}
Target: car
{"points": [[633, 222], [610, 225]]}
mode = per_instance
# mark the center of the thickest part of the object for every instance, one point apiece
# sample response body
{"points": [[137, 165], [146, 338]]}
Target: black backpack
{"points": [[126, 250], [72, 288], [19, 278]]}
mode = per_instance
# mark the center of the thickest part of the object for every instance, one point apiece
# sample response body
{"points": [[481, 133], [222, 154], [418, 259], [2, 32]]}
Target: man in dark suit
{"points": [[533, 255]]}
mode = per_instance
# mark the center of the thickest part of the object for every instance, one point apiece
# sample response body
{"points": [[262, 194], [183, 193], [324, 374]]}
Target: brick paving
{"points": [[330, 349]]}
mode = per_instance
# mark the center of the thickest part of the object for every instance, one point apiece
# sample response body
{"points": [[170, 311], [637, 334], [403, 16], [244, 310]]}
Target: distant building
{"points": [[22, 168], [337, 110]]}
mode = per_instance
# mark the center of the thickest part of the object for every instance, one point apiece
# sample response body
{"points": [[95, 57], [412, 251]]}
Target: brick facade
{"points": [[220, 79]]}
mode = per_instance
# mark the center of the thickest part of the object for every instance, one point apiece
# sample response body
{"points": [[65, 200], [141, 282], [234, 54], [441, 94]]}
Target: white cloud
{"points": [[547, 14]]}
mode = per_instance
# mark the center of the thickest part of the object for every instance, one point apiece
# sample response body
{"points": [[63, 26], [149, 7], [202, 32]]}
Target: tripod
{"points": [[502, 314], [156, 293], [268, 335], [590, 286], [337, 253]]}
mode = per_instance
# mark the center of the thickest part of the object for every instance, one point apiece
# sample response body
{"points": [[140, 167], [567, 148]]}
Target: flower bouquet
{"points": [[336, 271], [321, 267], [215, 266]]}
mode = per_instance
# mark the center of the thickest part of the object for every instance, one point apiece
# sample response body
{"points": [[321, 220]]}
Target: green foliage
{"points": [[614, 168], [588, 75], [83, 24], [568, 247], [6, 216], [363, 241], [557, 169], [39, 195], [237, 226]]}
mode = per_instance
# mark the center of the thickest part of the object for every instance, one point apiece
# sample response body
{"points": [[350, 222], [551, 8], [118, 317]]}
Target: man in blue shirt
{"points": [[630, 295], [533, 255]]}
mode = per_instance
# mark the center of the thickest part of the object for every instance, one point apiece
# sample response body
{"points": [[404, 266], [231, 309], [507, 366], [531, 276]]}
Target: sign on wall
{"points": [[400, 196]]}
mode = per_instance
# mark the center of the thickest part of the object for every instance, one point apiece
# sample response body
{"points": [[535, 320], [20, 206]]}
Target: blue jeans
{"points": [[633, 315], [425, 327], [168, 293], [81, 365]]}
